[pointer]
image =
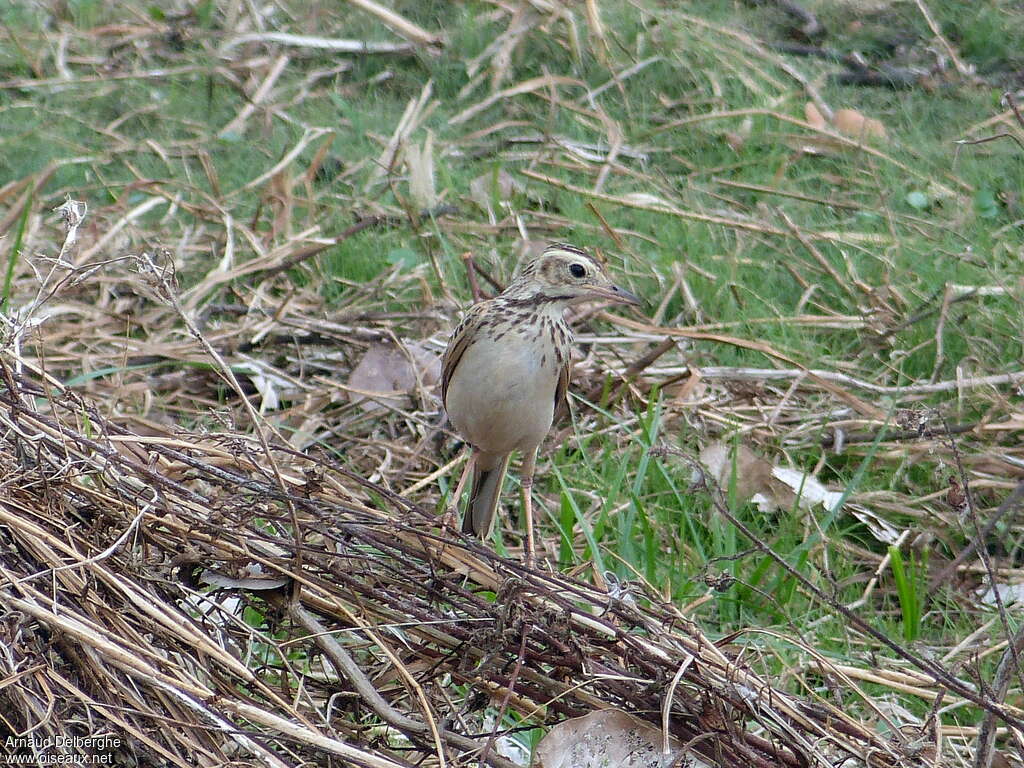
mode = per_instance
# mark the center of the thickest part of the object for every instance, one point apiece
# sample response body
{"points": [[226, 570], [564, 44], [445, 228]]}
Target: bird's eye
{"points": [[577, 270]]}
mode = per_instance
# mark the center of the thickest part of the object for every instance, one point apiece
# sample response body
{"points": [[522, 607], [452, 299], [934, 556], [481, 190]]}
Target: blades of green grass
{"points": [[446, 489], [688, 522], [907, 590], [650, 544], [858, 476], [599, 469], [785, 586], [15, 252], [566, 518], [592, 549], [100, 373], [621, 464], [625, 543], [633, 525], [650, 429]]}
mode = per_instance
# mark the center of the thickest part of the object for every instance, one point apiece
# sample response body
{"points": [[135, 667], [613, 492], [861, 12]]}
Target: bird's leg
{"points": [[448, 519], [526, 480]]}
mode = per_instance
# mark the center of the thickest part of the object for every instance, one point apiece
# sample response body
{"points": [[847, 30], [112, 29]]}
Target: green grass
{"points": [[627, 507], [910, 592], [15, 252]]}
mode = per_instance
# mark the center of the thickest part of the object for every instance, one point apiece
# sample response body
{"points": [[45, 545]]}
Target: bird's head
{"points": [[569, 274]]}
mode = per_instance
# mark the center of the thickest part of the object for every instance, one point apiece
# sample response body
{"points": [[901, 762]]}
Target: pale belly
{"points": [[501, 397]]}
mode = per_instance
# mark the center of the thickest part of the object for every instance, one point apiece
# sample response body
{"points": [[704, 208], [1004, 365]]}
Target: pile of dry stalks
{"points": [[388, 638], [204, 596]]}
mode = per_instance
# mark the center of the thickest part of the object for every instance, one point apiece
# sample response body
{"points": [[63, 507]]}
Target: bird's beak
{"points": [[616, 294]]}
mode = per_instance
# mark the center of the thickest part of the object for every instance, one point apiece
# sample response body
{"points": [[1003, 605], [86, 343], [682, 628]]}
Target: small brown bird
{"points": [[506, 369]]}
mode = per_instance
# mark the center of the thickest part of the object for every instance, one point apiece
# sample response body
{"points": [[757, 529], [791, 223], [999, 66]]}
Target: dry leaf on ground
{"points": [[609, 737], [388, 373], [813, 115], [852, 123], [848, 122], [773, 487]]}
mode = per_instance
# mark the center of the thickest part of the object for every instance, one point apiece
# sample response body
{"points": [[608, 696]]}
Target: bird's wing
{"points": [[562, 387], [461, 338]]}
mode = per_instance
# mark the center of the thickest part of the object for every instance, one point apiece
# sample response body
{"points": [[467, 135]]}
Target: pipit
{"points": [[506, 370]]}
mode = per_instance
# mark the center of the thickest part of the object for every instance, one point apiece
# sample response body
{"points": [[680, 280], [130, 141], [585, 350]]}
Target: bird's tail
{"points": [[488, 477]]}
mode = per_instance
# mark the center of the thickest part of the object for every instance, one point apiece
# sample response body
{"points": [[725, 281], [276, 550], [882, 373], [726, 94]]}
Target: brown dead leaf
{"points": [[848, 122], [852, 123], [753, 472], [813, 115], [389, 374], [773, 487], [609, 737]]}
